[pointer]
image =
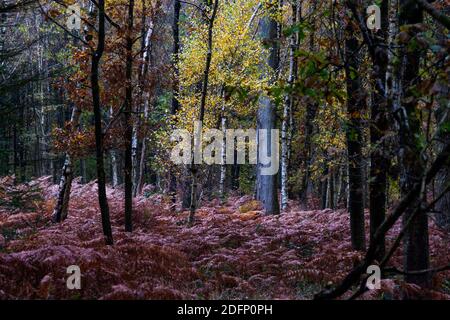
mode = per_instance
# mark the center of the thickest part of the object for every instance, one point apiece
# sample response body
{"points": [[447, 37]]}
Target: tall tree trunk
{"points": [[267, 191], [355, 105], [311, 111], [379, 126], [101, 180], [194, 168], [288, 106], [416, 248], [128, 119], [176, 52], [175, 89], [139, 161]]}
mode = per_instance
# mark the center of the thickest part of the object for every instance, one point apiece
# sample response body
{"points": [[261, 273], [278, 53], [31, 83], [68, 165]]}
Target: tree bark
{"points": [[416, 248], [128, 119], [139, 165], [114, 161], [288, 106], [355, 105], [267, 190], [223, 151], [175, 89], [101, 180], [379, 125]]}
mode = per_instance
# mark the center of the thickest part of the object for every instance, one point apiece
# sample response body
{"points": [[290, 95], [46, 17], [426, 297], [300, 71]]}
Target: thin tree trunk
{"points": [[140, 181], [223, 152], [101, 180], [128, 119], [288, 106], [307, 154], [194, 168], [175, 102], [138, 166], [235, 172]]}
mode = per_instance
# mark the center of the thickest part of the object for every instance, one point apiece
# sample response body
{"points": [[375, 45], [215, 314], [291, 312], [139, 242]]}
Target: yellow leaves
{"points": [[273, 9], [237, 62]]}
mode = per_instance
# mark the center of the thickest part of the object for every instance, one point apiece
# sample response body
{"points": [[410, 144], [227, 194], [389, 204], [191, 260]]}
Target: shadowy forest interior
{"points": [[118, 156]]}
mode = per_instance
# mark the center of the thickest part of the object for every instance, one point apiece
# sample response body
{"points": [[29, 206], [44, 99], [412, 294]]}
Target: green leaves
{"points": [[298, 28]]}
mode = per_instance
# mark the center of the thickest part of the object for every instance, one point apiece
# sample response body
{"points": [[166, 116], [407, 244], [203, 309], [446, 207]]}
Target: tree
{"points": [[175, 103], [267, 190], [355, 108], [204, 94], [416, 239], [99, 147], [144, 105], [286, 126], [60, 211], [379, 125], [128, 110]]}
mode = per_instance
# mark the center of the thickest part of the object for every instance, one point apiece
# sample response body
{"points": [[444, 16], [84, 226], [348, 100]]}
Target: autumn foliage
{"points": [[232, 252]]}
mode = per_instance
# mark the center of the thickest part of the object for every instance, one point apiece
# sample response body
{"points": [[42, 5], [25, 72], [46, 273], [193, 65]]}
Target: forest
{"points": [[224, 150]]}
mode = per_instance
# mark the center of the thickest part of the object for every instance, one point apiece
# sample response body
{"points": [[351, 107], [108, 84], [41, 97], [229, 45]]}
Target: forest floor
{"points": [[232, 252]]}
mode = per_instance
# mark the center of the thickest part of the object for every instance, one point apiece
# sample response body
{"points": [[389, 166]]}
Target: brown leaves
{"points": [[252, 205], [72, 140], [226, 254]]}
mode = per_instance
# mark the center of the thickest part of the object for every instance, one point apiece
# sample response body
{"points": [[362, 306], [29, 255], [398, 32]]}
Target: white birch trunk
{"points": [[392, 80], [65, 183], [138, 167], [114, 164], [287, 113], [223, 154]]}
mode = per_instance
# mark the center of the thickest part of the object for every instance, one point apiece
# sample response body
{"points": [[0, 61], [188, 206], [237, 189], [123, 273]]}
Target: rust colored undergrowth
{"points": [[227, 254]]}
